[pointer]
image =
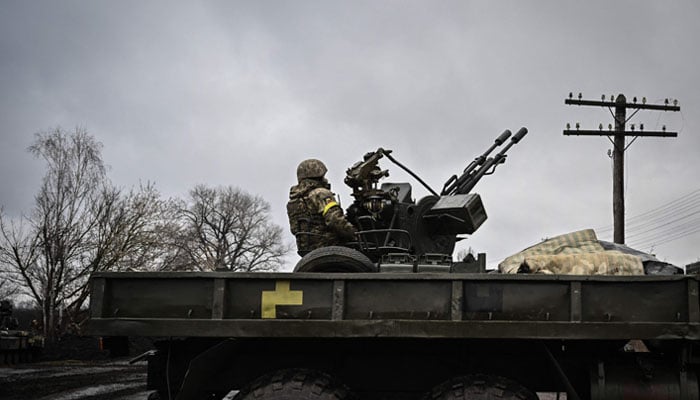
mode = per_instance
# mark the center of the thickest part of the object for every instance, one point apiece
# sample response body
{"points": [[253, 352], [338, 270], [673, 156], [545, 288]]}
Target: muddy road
{"points": [[73, 380], [87, 380]]}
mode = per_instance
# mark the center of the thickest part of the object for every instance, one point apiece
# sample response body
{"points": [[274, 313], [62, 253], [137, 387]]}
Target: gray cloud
{"points": [[239, 92]]}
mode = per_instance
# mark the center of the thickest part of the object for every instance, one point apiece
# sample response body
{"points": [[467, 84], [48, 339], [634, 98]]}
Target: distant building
{"points": [[693, 268]]}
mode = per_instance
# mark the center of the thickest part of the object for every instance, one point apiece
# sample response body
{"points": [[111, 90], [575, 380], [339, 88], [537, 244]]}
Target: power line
{"points": [[663, 219], [671, 221], [660, 231], [674, 203], [671, 238], [680, 209], [682, 203]]}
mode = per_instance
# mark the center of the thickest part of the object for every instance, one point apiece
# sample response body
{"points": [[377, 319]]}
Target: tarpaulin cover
{"points": [[575, 253]]}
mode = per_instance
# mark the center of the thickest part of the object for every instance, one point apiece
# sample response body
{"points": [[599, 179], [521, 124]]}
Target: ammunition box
{"points": [[462, 213]]}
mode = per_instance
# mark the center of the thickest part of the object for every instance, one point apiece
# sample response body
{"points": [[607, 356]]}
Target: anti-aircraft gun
{"points": [[395, 229]]}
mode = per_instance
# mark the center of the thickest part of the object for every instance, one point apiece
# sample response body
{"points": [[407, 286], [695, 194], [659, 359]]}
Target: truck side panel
{"points": [[395, 305]]}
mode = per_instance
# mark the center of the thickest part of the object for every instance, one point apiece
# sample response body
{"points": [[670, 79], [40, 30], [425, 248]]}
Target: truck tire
{"points": [[335, 259], [480, 387], [295, 384]]}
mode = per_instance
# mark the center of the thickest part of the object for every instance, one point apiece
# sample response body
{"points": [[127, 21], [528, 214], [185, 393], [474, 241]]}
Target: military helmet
{"points": [[311, 168]]}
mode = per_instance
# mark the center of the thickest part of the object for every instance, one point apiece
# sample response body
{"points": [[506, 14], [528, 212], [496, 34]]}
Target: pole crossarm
{"points": [[618, 138], [585, 132], [598, 103]]}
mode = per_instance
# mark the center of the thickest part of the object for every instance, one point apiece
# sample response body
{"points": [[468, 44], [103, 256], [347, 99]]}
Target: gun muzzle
{"points": [[521, 133], [504, 136]]}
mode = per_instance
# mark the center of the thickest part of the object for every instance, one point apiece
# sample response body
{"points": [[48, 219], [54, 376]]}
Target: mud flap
{"points": [[202, 369]]}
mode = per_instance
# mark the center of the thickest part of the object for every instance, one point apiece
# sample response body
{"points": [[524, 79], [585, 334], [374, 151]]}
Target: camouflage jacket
{"points": [[315, 218]]}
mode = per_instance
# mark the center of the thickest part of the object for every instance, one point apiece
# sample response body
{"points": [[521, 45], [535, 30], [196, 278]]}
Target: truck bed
{"points": [[304, 305]]}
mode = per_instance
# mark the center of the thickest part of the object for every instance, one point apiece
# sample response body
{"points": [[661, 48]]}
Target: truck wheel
{"points": [[480, 387], [335, 259], [295, 384]]}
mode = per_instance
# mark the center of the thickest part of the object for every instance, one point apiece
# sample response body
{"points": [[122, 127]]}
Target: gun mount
{"points": [[363, 177], [389, 220]]}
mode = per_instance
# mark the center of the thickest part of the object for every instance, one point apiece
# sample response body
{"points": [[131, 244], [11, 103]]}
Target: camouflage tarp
{"points": [[575, 253]]}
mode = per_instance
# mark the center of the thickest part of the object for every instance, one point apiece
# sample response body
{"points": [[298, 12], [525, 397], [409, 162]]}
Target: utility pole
{"points": [[619, 146]]}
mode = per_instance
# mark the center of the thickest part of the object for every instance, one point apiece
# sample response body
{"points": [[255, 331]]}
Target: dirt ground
{"points": [[73, 367], [57, 376], [87, 380], [74, 380]]}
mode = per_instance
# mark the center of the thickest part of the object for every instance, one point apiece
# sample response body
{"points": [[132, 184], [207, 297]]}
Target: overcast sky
{"points": [[237, 93]]}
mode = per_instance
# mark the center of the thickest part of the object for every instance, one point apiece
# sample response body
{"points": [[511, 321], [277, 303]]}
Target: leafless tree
{"points": [[228, 228], [466, 255], [80, 224], [7, 288], [127, 236]]}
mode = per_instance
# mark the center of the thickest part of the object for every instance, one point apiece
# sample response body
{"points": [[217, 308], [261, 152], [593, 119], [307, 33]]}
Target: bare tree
{"points": [[228, 228], [80, 224], [127, 236], [466, 255], [8, 289]]}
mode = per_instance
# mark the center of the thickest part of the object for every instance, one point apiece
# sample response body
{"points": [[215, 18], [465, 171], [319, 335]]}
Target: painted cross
{"points": [[281, 296]]}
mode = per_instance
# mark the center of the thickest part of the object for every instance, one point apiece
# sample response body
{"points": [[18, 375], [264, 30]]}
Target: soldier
{"points": [[315, 218]]}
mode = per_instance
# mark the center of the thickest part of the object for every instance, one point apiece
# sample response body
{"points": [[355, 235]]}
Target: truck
{"points": [[392, 316]]}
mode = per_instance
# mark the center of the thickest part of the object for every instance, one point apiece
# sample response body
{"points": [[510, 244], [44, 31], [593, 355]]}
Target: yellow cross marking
{"points": [[281, 296]]}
